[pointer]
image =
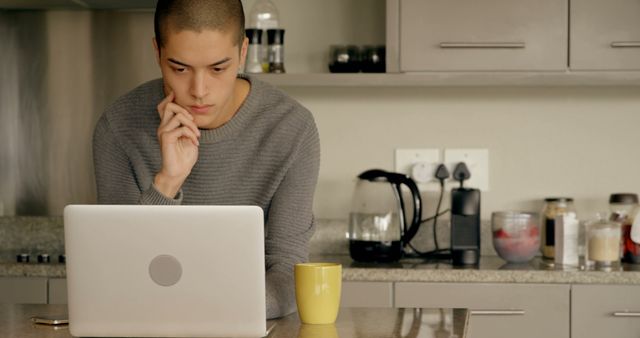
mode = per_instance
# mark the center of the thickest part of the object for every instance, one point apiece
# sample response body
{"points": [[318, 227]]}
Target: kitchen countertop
{"points": [[351, 323], [491, 269]]}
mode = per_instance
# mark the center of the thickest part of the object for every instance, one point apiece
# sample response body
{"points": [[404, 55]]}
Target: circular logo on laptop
{"points": [[165, 270]]}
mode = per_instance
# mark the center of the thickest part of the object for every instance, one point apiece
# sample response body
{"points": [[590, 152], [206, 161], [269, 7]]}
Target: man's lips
{"points": [[200, 109]]}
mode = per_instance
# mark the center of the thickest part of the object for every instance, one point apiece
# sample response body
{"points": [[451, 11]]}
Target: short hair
{"points": [[196, 15]]}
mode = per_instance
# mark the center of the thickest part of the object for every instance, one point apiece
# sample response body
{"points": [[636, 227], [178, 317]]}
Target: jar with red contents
{"points": [[624, 208]]}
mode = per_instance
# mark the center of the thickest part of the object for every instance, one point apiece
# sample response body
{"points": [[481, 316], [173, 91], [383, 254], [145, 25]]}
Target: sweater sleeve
{"points": [[115, 177], [290, 225]]}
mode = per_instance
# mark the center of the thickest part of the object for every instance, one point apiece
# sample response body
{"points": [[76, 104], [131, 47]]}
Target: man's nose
{"points": [[198, 86]]}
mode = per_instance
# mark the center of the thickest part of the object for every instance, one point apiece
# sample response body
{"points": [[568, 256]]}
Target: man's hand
{"points": [[178, 136]]}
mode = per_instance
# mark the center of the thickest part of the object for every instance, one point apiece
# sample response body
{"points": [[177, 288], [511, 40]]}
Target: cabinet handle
{"points": [[625, 44], [497, 312], [488, 45], [626, 314]]}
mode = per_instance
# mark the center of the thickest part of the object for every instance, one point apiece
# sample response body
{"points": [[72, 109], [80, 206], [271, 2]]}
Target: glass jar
{"points": [[553, 208], [602, 240], [624, 208]]}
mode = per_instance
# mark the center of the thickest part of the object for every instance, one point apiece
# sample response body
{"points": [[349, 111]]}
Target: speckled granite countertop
{"points": [[492, 269], [52, 270]]}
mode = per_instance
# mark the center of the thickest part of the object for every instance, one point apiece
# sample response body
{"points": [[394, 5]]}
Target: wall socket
{"points": [[477, 160], [421, 165]]}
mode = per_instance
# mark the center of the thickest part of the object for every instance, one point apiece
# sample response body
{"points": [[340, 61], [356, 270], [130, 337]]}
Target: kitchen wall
{"points": [[578, 141], [575, 141]]}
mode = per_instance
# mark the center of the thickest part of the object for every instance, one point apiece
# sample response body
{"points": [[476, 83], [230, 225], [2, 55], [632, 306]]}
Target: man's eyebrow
{"points": [[220, 62], [178, 62], [211, 65]]}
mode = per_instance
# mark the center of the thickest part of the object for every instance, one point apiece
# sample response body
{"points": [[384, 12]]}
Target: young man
{"points": [[205, 135]]}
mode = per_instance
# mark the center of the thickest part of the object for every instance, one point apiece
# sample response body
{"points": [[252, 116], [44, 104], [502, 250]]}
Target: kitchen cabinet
{"points": [[57, 291], [605, 35], [486, 42], [24, 290], [497, 310], [367, 294], [486, 35], [605, 311]]}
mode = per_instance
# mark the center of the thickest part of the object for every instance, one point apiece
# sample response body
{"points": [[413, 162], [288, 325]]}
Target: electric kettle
{"points": [[378, 227]]}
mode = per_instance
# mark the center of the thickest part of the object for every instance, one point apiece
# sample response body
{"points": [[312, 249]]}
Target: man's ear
{"points": [[243, 51], [157, 49]]}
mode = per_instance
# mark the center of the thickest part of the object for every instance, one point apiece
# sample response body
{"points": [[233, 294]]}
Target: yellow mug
{"points": [[318, 288]]}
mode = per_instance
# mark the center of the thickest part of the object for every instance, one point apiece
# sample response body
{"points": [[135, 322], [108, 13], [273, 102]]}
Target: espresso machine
{"points": [[465, 220]]}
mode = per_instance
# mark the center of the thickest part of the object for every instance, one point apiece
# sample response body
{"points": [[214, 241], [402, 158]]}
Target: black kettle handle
{"points": [[397, 180], [417, 210]]}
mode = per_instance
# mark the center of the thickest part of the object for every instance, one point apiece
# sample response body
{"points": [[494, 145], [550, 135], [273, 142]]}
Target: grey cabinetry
{"points": [[482, 35], [23, 290], [605, 311], [497, 310], [367, 294], [605, 35], [57, 291]]}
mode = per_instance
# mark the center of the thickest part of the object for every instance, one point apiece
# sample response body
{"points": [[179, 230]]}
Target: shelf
{"points": [[78, 4], [454, 79]]}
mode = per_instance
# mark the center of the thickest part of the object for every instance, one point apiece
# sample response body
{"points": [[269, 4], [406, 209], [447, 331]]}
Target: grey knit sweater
{"points": [[267, 155]]}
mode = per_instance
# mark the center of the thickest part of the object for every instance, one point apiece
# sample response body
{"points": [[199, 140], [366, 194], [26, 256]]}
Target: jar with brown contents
{"points": [[624, 209], [553, 208]]}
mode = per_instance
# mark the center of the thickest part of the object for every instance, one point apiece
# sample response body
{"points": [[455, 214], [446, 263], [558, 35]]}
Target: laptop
{"points": [[165, 271]]}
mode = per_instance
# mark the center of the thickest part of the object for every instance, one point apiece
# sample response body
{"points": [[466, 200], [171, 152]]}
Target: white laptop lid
{"points": [[165, 270]]}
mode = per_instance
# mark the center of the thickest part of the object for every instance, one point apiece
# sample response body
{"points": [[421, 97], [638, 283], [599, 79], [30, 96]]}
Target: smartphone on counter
{"points": [[50, 320]]}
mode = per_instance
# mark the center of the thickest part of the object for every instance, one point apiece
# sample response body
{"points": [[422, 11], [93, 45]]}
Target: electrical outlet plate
{"points": [[419, 164], [477, 160]]}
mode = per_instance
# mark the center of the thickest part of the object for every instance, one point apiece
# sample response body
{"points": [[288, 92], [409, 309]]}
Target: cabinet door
{"points": [[57, 291], [605, 311], [367, 294], [23, 290], [497, 310], [605, 35], [487, 35]]}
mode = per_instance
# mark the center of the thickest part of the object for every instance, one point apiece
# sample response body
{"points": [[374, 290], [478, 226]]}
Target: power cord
{"points": [[441, 174]]}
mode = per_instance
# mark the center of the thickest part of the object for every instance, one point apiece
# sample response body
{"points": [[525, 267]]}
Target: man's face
{"points": [[200, 68]]}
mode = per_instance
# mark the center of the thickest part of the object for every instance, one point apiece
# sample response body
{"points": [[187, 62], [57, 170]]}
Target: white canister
{"points": [[566, 239]]}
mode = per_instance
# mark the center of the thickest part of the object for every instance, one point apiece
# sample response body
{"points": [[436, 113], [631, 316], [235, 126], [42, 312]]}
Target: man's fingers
{"points": [[171, 110], [175, 134], [163, 104], [177, 109], [177, 121]]}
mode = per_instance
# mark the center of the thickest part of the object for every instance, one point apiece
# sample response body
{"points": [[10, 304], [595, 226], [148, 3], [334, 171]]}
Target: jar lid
{"points": [[624, 198], [514, 214], [558, 199]]}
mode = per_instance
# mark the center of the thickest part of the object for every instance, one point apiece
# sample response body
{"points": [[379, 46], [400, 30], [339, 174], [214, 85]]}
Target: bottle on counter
{"points": [[253, 63], [557, 210], [624, 209], [276, 50]]}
